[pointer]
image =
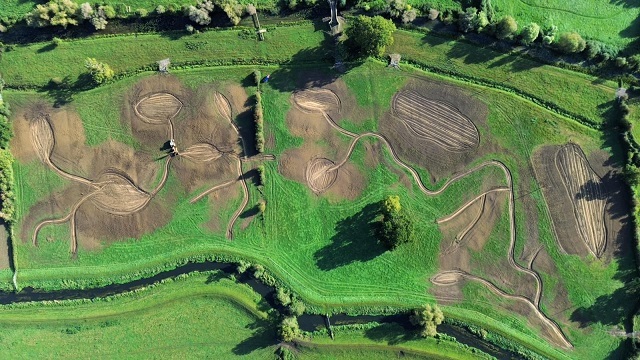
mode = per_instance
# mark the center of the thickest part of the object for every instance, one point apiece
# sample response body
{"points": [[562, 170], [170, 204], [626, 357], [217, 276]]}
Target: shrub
{"points": [[427, 318], [262, 206], [261, 174], [296, 308], [107, 11], [433, 14], [99, 23], [7, 195], [283, 297], [597, 49], [571, 42], [100, 72], [55, 12], [396, 7], [86, 11], [467, 20], [56, 41], [142, 12], [506, 27], [409, 16], [288, 329], [200, 14], [257, 77], [232, 8], [258, 117], [530, 33], [621, 62], [160, 10]]}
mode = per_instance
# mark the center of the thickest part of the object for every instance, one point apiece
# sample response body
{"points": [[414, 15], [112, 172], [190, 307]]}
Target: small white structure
{"points": [[163, 65]]}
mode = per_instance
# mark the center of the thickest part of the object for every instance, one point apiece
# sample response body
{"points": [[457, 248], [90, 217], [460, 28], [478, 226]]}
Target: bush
{"points": [[100, 72], [283, 297], [288, 329], [55, 12], [427, 318], [232, 8], [530, 33], [160, 10], [107, 11], [56, 41], [258, 118], [433, 14], [597, 49], [261, 174], [262, 206], [296, 308], [142, 12], [99, 23], [467, 20], [7, 195], [86, 11], [257, 77], [621, 62], [506, 27], [571, 42]]}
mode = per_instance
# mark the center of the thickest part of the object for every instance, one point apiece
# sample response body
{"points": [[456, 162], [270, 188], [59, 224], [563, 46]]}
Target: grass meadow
{"points": [[612, 22], [321, 261], [317, 245]]}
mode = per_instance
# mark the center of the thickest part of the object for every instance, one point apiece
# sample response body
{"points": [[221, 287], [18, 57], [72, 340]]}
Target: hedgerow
{"points": [[258, 117]]}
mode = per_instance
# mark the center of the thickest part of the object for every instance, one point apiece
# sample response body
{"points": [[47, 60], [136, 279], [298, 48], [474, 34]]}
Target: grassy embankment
{"points": [[203, 315]]}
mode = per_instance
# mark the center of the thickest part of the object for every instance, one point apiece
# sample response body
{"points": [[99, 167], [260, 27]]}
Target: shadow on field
{"points": [[263, 336], [62, 92], [354, 241], [390, 333]]}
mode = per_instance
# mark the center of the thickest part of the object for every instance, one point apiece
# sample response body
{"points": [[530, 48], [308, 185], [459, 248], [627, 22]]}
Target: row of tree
{"points": [[69, 13]]}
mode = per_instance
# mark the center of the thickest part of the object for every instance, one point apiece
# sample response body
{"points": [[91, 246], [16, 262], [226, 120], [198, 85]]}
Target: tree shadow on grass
{"points": [[354, 240], [264, 335], [62, 93], [393, 334]]}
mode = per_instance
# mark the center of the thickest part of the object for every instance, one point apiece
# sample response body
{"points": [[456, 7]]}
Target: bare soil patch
{"points": [[416, 144], [436, 121], [158, 108], [112, 185], [320, 174], [585, 192], [576, 198]]}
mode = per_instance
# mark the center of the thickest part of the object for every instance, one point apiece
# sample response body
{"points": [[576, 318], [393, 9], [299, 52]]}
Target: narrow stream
{"points": [[307, 322]]}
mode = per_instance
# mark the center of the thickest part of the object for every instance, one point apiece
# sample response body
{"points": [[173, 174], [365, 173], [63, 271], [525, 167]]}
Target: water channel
{"points": [[307, 322]]}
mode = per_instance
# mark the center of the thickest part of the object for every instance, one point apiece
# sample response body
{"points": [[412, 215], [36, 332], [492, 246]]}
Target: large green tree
{"points": [[368, 36], [395, 228]]}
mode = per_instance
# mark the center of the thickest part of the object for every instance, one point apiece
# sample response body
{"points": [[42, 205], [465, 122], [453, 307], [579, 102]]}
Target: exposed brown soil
{"points": [[112, 186], [158, 108], [436, 121], [320, 174], [580, 220], [424, 141], [584, 190]]}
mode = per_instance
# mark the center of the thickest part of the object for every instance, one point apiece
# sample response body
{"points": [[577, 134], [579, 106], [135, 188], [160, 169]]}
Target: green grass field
{"points": [[333, 268], [612, 22]]}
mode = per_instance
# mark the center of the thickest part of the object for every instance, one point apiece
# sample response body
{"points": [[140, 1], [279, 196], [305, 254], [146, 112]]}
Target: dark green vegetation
{"points": [[369, 36], [331, 261], [395, 228]]}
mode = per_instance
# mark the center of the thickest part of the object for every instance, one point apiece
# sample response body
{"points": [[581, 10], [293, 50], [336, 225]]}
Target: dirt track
{"points": [[315, 105]]}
